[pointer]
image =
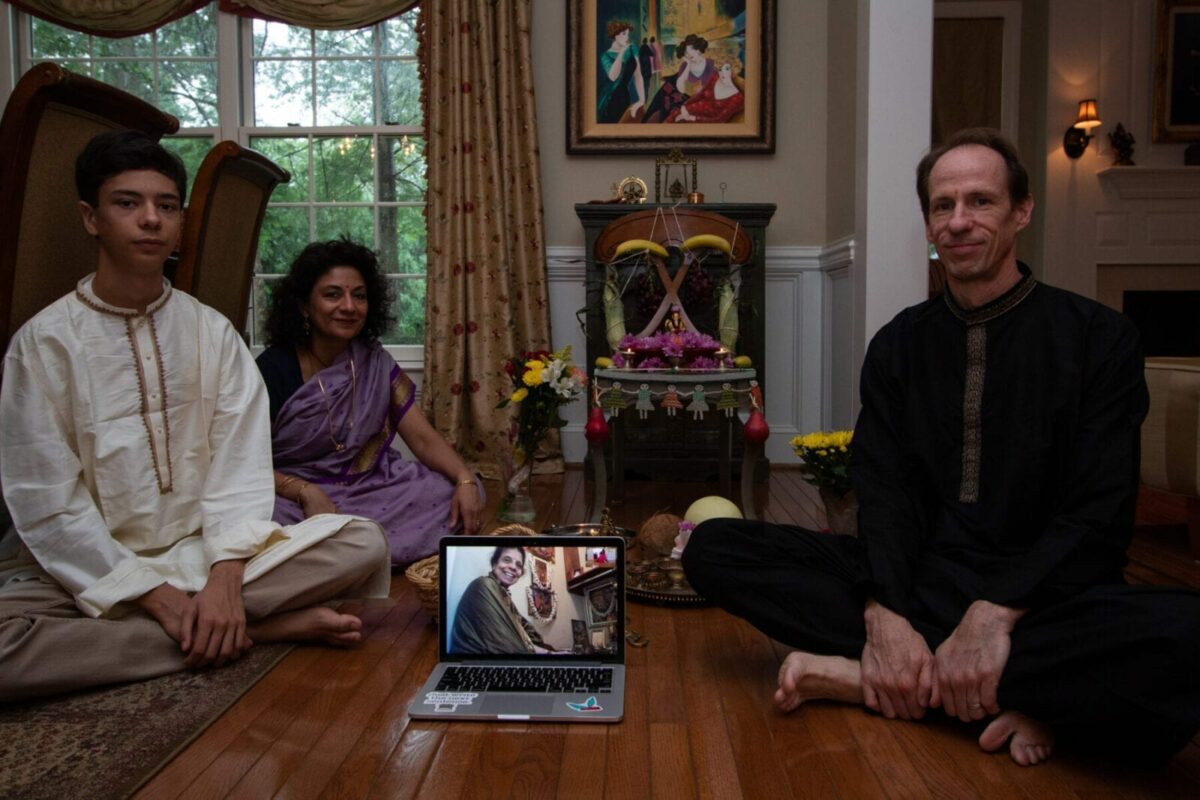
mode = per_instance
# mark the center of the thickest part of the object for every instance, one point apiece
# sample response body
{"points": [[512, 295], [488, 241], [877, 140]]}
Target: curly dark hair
{"points": [[285, 322]]}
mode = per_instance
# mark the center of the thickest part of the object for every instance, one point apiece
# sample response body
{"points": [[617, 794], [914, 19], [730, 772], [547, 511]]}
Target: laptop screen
{"points": [[546, 598]]}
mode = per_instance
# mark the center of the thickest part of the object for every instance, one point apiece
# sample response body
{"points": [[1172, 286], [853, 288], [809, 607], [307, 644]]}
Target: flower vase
{"points": [[841, 511], [519, 504]]}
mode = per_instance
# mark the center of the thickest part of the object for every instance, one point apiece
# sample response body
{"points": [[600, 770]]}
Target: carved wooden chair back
{"points": [[44, 249], [220, 232]]}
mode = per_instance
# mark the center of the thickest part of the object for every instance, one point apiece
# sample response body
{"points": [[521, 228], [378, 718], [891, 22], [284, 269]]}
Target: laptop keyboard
{"points": [[558, 680]]}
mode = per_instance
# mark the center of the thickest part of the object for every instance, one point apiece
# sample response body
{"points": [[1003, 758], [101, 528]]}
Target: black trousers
{"points": [[1115, 668]]}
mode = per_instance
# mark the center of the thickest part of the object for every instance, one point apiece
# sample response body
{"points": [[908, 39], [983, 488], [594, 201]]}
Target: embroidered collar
{"points": [[998, 307], [83, 290]]}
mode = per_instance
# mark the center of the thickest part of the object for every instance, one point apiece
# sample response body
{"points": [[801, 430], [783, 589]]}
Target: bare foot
{"points": [[804, 676], [1029, 741], [315, 624]]}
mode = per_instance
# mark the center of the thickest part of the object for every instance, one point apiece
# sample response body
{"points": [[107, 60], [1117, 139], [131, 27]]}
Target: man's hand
{"points": [[897, 667], [969, 663], [214, 624], [167, 605], [313, 501]]}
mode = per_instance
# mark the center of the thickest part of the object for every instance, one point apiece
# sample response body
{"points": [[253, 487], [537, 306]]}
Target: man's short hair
{"points": [[110, 153], [1018, 178]]}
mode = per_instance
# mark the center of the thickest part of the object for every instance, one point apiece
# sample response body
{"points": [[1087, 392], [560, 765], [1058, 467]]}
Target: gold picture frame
{"points": [[1177, 71], [740, 33]]}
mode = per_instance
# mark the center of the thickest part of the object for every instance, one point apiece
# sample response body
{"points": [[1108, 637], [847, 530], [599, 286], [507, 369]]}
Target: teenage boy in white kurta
{"points": [[136, 464]]}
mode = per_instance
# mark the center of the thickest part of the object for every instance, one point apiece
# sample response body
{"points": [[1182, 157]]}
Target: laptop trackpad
{"points": [[535, 705]]}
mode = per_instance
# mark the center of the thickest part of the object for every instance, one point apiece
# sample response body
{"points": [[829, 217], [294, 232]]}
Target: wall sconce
{"points": [[1076, 139]]}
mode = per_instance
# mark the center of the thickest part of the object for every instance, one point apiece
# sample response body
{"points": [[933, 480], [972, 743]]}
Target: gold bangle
{"points": [[467, 482]]}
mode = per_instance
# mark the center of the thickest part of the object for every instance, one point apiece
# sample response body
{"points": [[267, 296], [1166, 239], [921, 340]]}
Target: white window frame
{"points": [[235, 87]]}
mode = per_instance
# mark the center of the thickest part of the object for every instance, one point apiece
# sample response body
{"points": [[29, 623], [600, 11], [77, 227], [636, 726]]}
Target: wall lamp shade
{"points": [[1076, 139]]}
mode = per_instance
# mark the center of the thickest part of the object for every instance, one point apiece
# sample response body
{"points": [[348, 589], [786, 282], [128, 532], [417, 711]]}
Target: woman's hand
{"points": [[466, 507], [313, 501]]}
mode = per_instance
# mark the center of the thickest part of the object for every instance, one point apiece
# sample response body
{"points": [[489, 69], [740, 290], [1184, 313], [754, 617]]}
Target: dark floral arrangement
{"points": [[687, 349]]}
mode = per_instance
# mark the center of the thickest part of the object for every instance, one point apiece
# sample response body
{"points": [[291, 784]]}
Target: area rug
{"points": [[106, 743]]}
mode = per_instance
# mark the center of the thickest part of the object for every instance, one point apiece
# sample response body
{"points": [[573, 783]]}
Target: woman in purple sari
{"points": [[338, 400]]}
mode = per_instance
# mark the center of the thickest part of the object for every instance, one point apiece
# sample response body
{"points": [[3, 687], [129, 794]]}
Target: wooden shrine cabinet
{"points": [[679, 448]]}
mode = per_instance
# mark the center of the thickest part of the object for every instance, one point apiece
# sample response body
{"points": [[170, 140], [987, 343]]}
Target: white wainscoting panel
{"points": [[796, 361]]}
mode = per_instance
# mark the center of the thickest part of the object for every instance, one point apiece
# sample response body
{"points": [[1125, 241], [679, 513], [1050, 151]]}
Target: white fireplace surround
{"points": [[1147, 235]]}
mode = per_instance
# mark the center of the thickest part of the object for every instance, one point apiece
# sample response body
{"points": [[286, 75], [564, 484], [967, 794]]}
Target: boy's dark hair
{"points": [[113, 152], [285, 322], [1018, 177]]}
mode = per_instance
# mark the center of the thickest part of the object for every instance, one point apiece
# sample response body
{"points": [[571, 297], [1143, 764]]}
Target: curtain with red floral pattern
{"points": [[487, 297]]}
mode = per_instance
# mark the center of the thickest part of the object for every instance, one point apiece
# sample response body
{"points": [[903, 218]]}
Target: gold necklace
{"points": [[340, 446]]}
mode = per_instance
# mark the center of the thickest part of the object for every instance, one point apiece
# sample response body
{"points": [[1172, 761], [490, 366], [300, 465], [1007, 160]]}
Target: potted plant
{"points": [[825, 463]]}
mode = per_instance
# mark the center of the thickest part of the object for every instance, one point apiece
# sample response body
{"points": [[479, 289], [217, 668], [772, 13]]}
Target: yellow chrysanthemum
{"points": [[532, 377], [519, 395]]}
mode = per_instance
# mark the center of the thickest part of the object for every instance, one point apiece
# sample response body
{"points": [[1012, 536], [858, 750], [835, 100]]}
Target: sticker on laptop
{"points": [[448, 702], [589, 705]]}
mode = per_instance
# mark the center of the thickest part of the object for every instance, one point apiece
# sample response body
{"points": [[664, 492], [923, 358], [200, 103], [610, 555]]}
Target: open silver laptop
{"points": [[533, 628]]}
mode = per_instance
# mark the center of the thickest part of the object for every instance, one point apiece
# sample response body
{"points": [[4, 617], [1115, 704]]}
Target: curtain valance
{"points": [[117, 18]]}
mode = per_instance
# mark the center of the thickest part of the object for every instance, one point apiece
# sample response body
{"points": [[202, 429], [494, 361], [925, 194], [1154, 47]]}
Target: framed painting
{"points": [[1177, 72], [647, 76]]}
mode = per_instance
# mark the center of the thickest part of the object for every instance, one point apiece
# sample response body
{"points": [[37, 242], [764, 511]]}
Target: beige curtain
{"points": [[127, 17], [113, 18], [487, 295]]}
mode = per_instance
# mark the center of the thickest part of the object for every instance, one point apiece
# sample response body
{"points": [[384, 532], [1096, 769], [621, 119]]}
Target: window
{"points": [[340, 110], [173, 68]]}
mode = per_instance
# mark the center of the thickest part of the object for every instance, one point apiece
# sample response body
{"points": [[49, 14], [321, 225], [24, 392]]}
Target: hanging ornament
{"points": [[755, 431], [728, 401], [699, 404], [671, 401], [596, 430], [614, 399]]}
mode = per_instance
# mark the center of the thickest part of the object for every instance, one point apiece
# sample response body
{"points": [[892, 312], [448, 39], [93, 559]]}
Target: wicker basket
{"points": [[423, 574]]}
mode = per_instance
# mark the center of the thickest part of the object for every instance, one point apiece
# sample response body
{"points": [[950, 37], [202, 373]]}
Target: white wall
{"points": [[1105, 49]]}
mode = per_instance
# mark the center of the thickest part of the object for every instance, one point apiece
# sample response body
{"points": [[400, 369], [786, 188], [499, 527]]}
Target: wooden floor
{"points": [[699, 721]]}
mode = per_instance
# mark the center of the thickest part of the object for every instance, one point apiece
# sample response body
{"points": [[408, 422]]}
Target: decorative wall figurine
{"points": [[614, 399], [699, 404], [644, 405], [728, 401], [671, 401]]}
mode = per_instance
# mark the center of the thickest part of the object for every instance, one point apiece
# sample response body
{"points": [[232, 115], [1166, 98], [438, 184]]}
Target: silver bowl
{"points": [[587, 529]]}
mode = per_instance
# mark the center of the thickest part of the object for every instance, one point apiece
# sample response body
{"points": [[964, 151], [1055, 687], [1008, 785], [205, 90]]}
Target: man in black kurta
{"points": [[995, 460]]}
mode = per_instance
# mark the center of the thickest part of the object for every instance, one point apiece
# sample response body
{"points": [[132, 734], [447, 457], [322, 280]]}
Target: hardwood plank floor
{"points": [[699, 719]]}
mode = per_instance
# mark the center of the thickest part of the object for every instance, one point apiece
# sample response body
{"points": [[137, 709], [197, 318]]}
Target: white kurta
{"points": [[136, 449]]}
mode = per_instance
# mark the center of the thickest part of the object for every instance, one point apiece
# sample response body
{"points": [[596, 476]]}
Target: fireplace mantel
{"points": [[1153, 183]]}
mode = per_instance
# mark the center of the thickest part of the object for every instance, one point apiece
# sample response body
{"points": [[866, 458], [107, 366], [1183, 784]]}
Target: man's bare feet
{"points": [[316, 624], [1030, 742], [804, 676]]}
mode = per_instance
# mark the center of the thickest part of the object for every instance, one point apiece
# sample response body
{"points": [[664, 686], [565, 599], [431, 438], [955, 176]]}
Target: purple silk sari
{"points": [[365, 396]]}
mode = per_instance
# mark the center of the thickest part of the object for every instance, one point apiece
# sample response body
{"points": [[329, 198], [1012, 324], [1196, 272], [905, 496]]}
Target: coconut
{"points": [[657, 534]]}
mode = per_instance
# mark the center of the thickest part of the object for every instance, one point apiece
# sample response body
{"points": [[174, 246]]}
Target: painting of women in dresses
{"points": [[695, 37]]}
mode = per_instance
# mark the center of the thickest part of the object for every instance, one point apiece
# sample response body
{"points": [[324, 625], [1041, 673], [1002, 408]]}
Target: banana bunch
{"points": [[706, 241], [640, 246]]}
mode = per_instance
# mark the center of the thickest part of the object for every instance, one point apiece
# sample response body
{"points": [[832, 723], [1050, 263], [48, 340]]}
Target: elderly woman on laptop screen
{"points": [[337, 401]]}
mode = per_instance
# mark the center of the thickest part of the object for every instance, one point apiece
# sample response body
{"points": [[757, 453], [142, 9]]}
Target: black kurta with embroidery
{"points": [[996, 454]]}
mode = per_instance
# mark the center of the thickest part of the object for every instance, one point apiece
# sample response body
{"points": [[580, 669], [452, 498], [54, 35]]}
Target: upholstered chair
{"points": [[1171, 435]]}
